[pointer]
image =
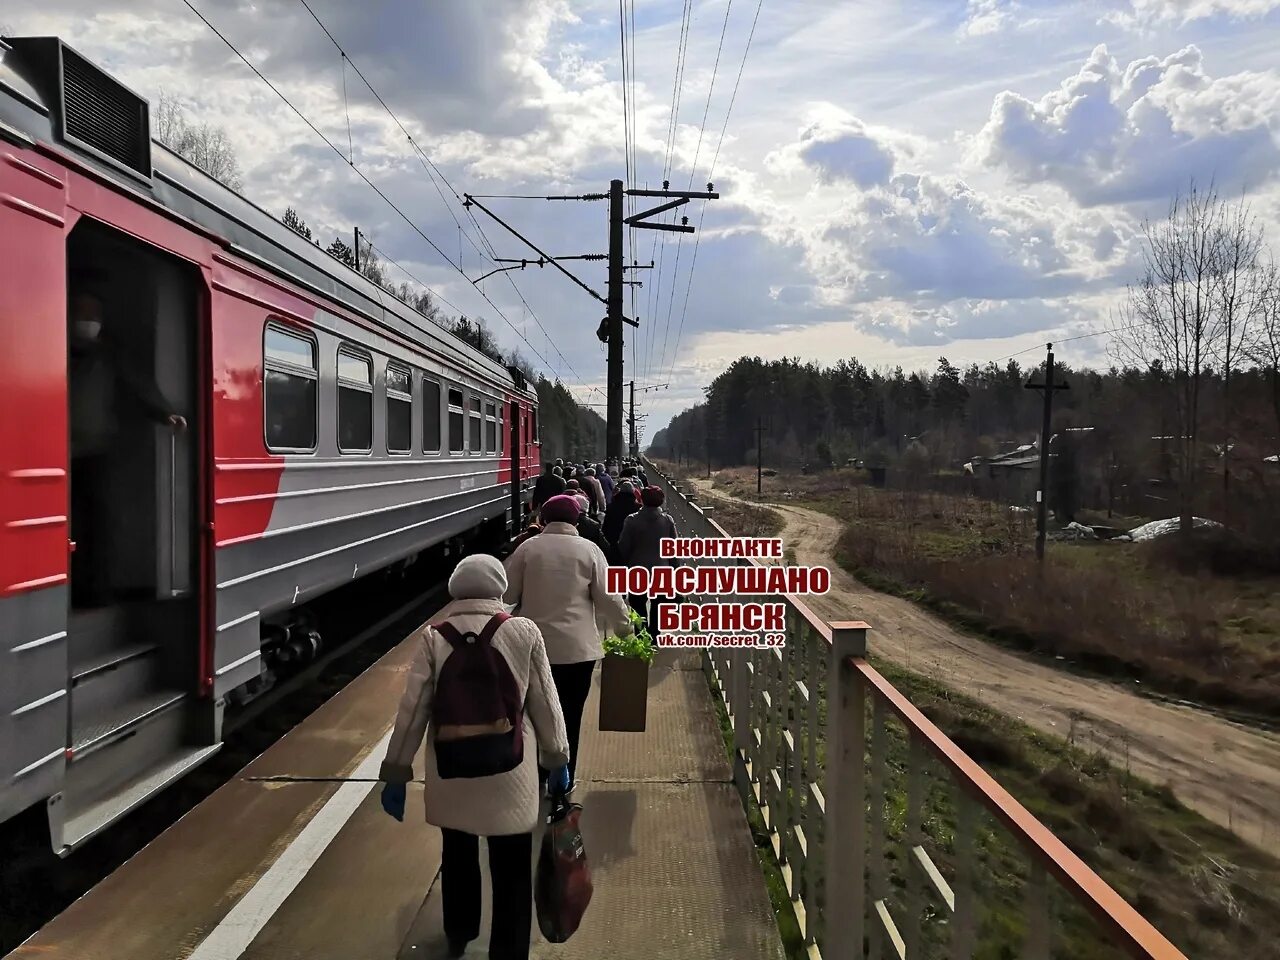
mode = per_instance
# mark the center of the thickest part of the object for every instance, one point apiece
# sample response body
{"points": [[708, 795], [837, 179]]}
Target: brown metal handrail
{"points": [[776, 764]]}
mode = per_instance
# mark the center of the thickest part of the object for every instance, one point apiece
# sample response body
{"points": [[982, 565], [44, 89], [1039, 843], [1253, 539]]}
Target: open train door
{"points": [[134, 373]]}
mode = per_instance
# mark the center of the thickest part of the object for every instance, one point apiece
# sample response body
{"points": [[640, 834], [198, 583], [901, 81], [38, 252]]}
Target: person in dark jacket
{"points": [[589, 529], [549, 485], [532, 530], [624, 504], [606, 485], [640, 546]]}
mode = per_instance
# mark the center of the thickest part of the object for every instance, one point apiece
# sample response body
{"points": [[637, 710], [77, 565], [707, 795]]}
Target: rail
{"points": [[893, 842]]}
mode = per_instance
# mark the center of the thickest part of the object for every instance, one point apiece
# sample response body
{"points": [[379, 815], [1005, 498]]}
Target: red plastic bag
{"points": [[562, 884]]}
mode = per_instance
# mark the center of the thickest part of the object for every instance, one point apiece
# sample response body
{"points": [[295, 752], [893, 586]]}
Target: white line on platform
{"points": [[230, 938]]}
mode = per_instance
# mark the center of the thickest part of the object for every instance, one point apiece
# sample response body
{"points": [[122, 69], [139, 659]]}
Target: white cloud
{"points": [[987, 16], [844, 226], [1112, 134], [837, 146], [1185, 11]]}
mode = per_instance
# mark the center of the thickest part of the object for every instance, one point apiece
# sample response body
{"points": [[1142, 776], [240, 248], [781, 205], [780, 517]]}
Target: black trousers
{"points": [[573, 683], [511, 871]]}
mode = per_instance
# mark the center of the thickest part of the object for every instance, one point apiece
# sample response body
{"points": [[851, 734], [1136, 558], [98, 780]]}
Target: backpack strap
{"points": [[455, 637], [490, 628], [447, 630]]}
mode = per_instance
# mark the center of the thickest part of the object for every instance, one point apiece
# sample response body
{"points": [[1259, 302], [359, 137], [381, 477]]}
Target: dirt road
{"points": [[1228, 773]]}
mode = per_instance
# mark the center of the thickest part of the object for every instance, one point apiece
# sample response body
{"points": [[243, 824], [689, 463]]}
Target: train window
{"points": [[399, 409], [289, 390], [490, 428], [501, 438], [355, 401], [475, 425], [455, 421], [533, 426], [430, 416]]}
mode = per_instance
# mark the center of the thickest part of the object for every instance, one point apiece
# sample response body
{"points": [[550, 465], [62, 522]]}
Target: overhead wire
{"points": [[423, 158], [361, 174], [677, 88], [724, 127], [429, 165], [693, 169]]}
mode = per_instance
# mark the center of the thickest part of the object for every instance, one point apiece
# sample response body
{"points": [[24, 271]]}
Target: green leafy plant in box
{"points": [[638, 646]]}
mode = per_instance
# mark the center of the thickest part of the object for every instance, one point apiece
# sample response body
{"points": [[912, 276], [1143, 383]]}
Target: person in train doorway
{"points": [[103, 386], [460, 798], [639, 545], [558, 581]]}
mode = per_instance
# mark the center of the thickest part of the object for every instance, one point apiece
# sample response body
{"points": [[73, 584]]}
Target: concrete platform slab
{"points": [[296, 859]]}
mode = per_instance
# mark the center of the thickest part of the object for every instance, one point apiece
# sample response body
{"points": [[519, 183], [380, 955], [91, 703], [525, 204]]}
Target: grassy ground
{"points": [[1133, 611], [1202, 887], [1207, 891], [742, 518]]}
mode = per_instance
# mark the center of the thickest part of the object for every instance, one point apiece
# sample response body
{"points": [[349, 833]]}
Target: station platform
{"points": [[295, 858]]}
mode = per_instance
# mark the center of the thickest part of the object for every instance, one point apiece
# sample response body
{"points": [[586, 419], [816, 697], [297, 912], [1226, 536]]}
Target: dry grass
{"points": [[1136, 611], [1212, 894]]}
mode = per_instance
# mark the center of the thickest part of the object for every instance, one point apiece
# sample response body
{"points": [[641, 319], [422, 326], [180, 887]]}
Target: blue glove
{"points": [[393, 800], [558, 781]]}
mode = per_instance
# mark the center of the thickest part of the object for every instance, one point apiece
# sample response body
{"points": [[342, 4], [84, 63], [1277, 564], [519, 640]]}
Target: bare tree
{"points": [[205, 145], [371, 263], [1238, 292], [1265, 348], [1173, 317]]}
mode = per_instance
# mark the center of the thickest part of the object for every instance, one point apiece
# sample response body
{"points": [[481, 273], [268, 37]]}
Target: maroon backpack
{"points": [[477, 714]]}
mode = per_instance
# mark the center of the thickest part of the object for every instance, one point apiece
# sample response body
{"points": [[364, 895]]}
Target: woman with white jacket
{"points": [[502, 807], [557, 579]]}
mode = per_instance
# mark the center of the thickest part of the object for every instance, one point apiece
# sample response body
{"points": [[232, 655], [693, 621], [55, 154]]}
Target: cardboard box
{"points": [[624, 694]]}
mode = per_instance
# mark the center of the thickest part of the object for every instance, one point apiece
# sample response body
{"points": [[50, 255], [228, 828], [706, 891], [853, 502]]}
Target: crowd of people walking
{"points": [[530, 633]]}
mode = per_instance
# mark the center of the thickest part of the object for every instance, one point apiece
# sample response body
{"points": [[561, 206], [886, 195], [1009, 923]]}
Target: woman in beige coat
{"points": [[503, 807], [557, 580]]}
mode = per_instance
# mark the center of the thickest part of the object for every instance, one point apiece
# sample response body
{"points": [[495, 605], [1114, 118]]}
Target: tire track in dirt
{"points": [[1226, 772]]}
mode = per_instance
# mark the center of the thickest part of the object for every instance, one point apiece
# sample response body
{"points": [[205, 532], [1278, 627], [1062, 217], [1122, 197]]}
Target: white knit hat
{"points": [[478, 577]]}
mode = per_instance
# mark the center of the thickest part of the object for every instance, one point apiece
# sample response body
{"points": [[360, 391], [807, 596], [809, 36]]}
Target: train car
{"points": [[148, 571]]}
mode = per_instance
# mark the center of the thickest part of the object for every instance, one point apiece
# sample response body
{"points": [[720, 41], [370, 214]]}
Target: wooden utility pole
{"points": [[635, 445], [1042, 495], [356, 252], [610, 329], [613, 316], [759, 460]]}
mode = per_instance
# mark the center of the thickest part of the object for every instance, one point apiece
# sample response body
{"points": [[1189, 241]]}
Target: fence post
{"points": [[845, 851]]}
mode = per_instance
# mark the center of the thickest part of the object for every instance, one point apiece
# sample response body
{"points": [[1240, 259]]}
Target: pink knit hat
{"points": [[561, 509]]}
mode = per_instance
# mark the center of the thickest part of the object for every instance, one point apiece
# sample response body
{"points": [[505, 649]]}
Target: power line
{"points": [[677, 87], [429, 166], [693, 167], [316, 130], [684, 310], [435, 293], [360, 173]]}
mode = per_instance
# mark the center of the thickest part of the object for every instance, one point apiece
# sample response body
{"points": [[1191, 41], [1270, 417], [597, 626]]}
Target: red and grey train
{"points": [[331, 432]]}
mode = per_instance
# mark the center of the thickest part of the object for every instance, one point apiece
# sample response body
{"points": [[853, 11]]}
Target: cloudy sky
{"points": [[900, 180]]}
